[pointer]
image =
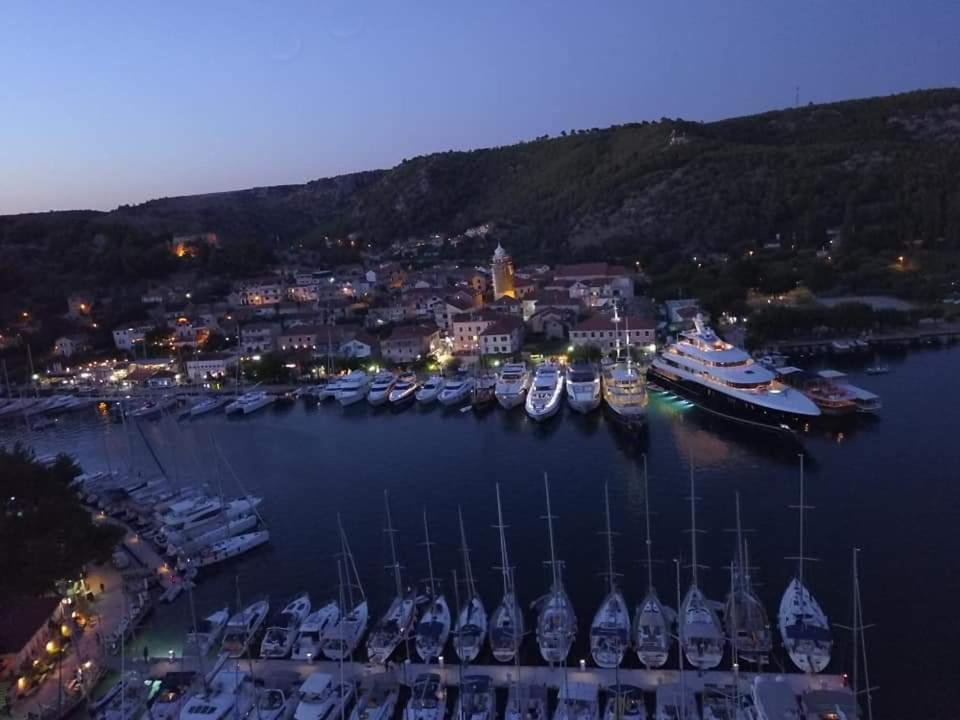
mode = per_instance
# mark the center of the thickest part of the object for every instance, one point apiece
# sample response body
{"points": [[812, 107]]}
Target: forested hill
{"points": [[886, 170]]}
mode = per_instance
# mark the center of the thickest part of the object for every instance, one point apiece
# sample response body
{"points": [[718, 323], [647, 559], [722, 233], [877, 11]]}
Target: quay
{"points": [[925, 336]]}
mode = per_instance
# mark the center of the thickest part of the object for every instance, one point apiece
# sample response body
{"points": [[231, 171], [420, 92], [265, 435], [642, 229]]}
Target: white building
{"points": [[601, 331], [259, 337], [468, 327], [70, 345], [210, 366], [126, 338], [503, 337], [264, 292]]}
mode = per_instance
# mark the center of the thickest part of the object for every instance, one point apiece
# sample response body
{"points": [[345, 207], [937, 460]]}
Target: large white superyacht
{"points": [[724, 380]]}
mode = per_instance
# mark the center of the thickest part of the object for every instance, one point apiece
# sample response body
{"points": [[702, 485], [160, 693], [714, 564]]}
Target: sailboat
{"points": [[701, 636], [747, 622], [610, 630], [624, 386], [471, 630], [557, 623], [653, 619], [395, 624], [434, 626], [506, 622], [804, 627], [344, 636]]}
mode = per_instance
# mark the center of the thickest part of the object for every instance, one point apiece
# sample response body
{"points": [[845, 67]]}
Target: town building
{"points": [[70, 345], [262, 292], [601, 331], [502, 337], [258, 337], [552, 323], [502, 272], [594, 283], [408, 343], [209, 366], [467, 328], [543, 298], [128, 337], [300, 337]]}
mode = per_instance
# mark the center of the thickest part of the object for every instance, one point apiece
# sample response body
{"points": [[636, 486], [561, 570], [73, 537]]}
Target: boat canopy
{"points": [[316, 684], [431, 630]]}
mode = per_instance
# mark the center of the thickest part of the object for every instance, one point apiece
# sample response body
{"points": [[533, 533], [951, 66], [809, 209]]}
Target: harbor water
{"points": [[887, 485]]}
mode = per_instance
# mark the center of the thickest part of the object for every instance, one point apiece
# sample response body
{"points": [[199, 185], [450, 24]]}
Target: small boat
{"points": [[428, 699], [377, 702], [557, 622], [208, 405], [153, 408], [512, 385], [478, 700], [701, 635], [434, 626], [675, 702], [353, 388], [430, 390], [577, 701], [396, 623], [225, 549], [379, 392], [543, 398], [242, 627], [249, 403], [404, 390], [653, 620], [321, 698], [278, 640], [878, 369], [625, 702], [471, 630], [313, 631], [124, 701], [483, 391], [456, 390], [583, 388], [343, 637], [229, 692], [748, 624], [208, 634], [803, 625], [866, 401], [506, 622], [610, 630], [526, 702]]}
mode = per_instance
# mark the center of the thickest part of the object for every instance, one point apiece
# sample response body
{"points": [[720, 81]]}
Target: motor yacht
{"points": [[313, 631], [583, 388], [242, 627], [249, 403], [543, 398], [379, 392], [353, 388], [279, 638], [483, 390], [430, 390], [207, 634], [404, 390], [456, 391], [513, 382]]}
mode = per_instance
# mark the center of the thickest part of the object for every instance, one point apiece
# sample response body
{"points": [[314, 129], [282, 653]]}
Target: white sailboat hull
{"points": [[804, 629], [227, 549]]}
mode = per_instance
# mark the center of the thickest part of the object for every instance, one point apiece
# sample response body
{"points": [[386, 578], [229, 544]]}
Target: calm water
{"points": [[888, 486]]}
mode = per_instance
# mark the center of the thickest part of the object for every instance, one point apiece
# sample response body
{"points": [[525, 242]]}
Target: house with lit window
{"points": [[258, 337], [467, 328], [127, 337], [601, 331], [70, 345], [210, 366], [502, 337], [263, 292], [408, 343]]}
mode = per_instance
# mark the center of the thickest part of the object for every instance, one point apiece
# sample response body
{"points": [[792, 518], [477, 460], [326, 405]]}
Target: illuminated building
{"points": [[502, 272]]}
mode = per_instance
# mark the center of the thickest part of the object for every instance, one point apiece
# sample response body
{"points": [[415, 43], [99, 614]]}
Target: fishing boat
{"points": [[229, 692], [242, 627], [701, 635], [279, 638], [610, 630], [314, 630], [377, 701], [353, 388], [249, 403], [577, 701], [557, 622], [543, 398], [526, 702], [583, 387], [207, 635], [344, 635], [748, 624], [471, 630], [803, 625], [625, 702], [478, 699], [404, 390], [506, 621], [428, 699], [225, 549], [430, 390], [456, 391], [653, 620], [322, 698], [394, 627], [512, 385], [379, 392], [434, 626]]}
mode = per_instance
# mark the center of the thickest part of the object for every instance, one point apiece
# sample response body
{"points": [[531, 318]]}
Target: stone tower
{"points": [[502, 272]]}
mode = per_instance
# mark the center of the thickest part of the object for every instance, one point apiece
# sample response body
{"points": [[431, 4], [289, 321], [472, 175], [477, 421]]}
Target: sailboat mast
{"points": [[616, 325], [504, 561], [646, 513], [344, 552], [609, 533], [800, 560], [393, 548], [740, 554], [693, 524], [553, 553], [426, 538], [471, 590]]}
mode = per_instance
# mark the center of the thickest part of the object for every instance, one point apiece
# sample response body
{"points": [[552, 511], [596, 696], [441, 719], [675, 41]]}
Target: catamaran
{"points": [[543, 398], [471, 629], [610, 630], [506, 622], [395, 624], [344, 636], [313, 631], [748, 624], [653, 619], [803, 625], [434, 626], [701, 636], [557, 623], [278, 640]]}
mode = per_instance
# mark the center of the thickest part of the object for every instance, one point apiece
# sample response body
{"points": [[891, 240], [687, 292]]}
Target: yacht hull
{"points": [[727, 406], [583, 405], [510, 401]]}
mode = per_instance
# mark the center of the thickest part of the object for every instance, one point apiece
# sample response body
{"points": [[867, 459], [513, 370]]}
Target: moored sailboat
{"points": [[506, 621], [748, 624], [434, 626], [343, 637], [610, 630], [471, 630], [557, 622], [653, 619]]}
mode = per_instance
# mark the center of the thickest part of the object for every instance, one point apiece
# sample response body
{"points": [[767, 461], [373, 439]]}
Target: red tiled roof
{"points": [[504, 326], [412, 331], [605, 322]]}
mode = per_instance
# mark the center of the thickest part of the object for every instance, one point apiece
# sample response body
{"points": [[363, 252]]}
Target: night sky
{"points": [[109, 102]]}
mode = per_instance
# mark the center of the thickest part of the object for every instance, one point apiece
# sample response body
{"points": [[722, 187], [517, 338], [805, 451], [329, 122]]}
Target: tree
{"points": [[587, 353]]}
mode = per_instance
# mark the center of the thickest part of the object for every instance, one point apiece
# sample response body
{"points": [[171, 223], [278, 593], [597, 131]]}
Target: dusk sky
{"points": [[107, 102]]}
